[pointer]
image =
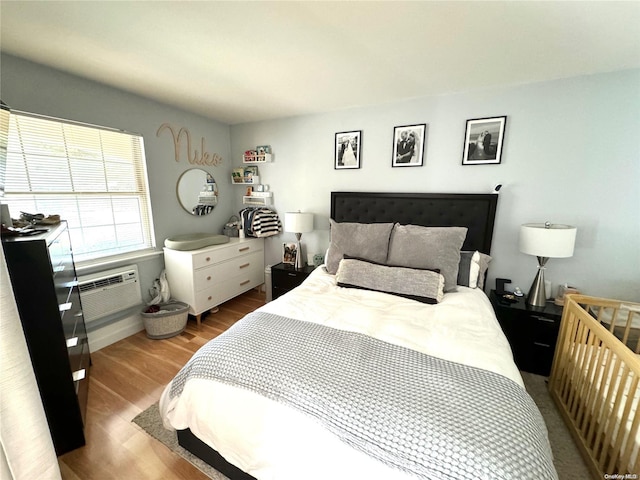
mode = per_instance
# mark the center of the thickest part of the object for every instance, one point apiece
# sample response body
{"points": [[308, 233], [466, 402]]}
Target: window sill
{"points": [[115, 260]]}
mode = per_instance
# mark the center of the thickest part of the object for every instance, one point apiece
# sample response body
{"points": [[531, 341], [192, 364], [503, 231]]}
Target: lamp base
{"points": [[299, 259], [537, 294]]}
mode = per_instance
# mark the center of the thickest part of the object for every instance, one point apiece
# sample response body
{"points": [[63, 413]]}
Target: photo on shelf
{"points": [[262, 149], [250, 173]]}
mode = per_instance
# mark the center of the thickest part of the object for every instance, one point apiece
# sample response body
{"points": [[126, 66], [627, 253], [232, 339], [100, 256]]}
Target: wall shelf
{"points": [[256, 201], [259, 158], [255, 180]]}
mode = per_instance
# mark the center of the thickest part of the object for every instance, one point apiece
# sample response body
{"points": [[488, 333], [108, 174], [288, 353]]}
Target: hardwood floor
{"points": [[126, 378]]}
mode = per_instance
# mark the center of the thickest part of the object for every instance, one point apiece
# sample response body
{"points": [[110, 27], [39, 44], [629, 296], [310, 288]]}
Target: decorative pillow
{"points": [[425, 286], [431, 248], [472, 269], [484, 264], [468, 269], [369, 241]]}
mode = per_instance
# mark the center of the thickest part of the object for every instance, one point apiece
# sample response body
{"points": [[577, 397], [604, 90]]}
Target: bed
{"points": [[595, 382], [368, 370]]}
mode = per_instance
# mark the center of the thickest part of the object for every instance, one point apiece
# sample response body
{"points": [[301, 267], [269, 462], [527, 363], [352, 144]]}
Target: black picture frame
{"points": [[490, 132], [348, 150], [409, 143]]}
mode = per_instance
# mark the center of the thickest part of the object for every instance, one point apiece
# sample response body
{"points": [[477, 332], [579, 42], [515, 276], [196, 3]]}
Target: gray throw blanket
{"points": [[429, 417]]}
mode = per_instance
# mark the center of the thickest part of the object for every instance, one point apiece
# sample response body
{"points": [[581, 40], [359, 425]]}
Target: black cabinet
{"points": [[45, 287], [531, 331], [285, 277]]}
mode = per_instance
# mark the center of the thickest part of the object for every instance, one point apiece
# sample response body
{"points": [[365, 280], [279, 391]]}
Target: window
{"points": [[93, 177]]}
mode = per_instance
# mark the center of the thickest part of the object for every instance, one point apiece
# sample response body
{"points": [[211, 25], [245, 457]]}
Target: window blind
{"points": [[93, 177]]}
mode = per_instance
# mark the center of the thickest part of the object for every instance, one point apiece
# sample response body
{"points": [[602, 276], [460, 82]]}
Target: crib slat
{"points": [[568, 352], [589, 388], [615, 451], [629, 450], [579, 367], [597, 426], [604, 432]]}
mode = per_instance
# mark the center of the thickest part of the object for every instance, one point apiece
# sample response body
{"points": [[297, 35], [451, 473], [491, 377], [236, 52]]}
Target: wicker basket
{"points": [[170, 321]]}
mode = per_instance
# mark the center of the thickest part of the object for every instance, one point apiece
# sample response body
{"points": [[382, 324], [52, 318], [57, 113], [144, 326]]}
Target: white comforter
{"points": [[272, 441]]}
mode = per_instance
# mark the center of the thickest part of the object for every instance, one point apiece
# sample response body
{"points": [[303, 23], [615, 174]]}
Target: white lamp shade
{"points": [[298, 222], [547, 240]]}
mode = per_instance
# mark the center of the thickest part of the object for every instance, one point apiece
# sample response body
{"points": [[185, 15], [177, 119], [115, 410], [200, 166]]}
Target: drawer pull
{"points": [[292, 274], [544, 319], [245, 265], [79, 375], [58, 269], [245, 282], [243, 249], [72, 342], [542, 344], [208, 259], [208, 278], [78, 315], [209, 297], [63, 307]]}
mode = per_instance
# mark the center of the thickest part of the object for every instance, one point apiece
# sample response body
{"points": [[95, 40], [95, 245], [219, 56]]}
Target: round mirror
{"points": [[197, 192]]}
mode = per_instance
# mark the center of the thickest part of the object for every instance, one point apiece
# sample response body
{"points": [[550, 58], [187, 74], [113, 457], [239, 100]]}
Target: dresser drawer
{"points": [[64, 284], [71, 315], [77, 354], [218, 274], [287, 280], [217, 255], [231, 287], [60, 252], [543, 331]]}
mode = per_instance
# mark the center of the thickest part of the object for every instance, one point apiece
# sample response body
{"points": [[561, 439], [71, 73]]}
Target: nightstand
{"points": [[531, 331], [285, 277]]}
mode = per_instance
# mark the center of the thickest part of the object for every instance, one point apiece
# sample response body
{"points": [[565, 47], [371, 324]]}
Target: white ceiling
{"points": [[246, 61]]}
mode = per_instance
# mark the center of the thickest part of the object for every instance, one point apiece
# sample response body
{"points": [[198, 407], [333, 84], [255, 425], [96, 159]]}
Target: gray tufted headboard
{"points": [[474, 211]]}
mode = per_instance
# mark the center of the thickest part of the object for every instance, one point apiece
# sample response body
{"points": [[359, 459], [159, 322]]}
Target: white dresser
{"points": [[209, 276]]}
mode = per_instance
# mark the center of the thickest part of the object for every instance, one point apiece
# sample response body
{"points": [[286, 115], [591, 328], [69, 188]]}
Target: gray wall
{"points": [[34, 88], [571, 155]]}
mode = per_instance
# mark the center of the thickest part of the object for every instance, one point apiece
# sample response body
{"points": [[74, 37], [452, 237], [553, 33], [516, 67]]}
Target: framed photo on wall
{"points": [[289, 253], [408, 145], [348, 149], [483, 139]]}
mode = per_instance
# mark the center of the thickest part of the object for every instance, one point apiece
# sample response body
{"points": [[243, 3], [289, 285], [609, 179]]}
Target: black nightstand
{"points": [[285, 277], [531, 331]]}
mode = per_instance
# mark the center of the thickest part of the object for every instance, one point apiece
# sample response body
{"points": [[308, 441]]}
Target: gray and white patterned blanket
{"points": [[429, 417]]}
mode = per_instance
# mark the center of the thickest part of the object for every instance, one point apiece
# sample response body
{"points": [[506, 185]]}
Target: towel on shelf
{"points": [[260, 222]]}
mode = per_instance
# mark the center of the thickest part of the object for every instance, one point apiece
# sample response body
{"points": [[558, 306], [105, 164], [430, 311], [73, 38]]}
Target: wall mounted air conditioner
{"points": [[109, 292]]}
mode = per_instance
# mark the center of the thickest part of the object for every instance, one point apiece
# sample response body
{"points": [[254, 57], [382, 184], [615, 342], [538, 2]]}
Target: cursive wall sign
{"points": [[193, 156]]}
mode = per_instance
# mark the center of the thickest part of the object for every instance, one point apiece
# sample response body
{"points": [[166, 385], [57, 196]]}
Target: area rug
{"points": [[151, 423], [567, 458]]}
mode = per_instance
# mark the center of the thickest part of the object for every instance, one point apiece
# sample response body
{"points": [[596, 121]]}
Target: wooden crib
{"points": [[595, 382]]}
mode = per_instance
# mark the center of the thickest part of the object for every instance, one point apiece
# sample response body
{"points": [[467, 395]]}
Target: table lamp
{"points": [[298, 223], [545, 240]]}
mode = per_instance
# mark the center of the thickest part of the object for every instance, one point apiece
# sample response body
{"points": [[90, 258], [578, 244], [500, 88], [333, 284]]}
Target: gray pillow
{"points": [[424, 286], [434, 248], [369, 241]]}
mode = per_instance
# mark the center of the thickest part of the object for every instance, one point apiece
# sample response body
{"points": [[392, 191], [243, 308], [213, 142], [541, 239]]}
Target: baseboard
{"points": [[113, 332]]}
